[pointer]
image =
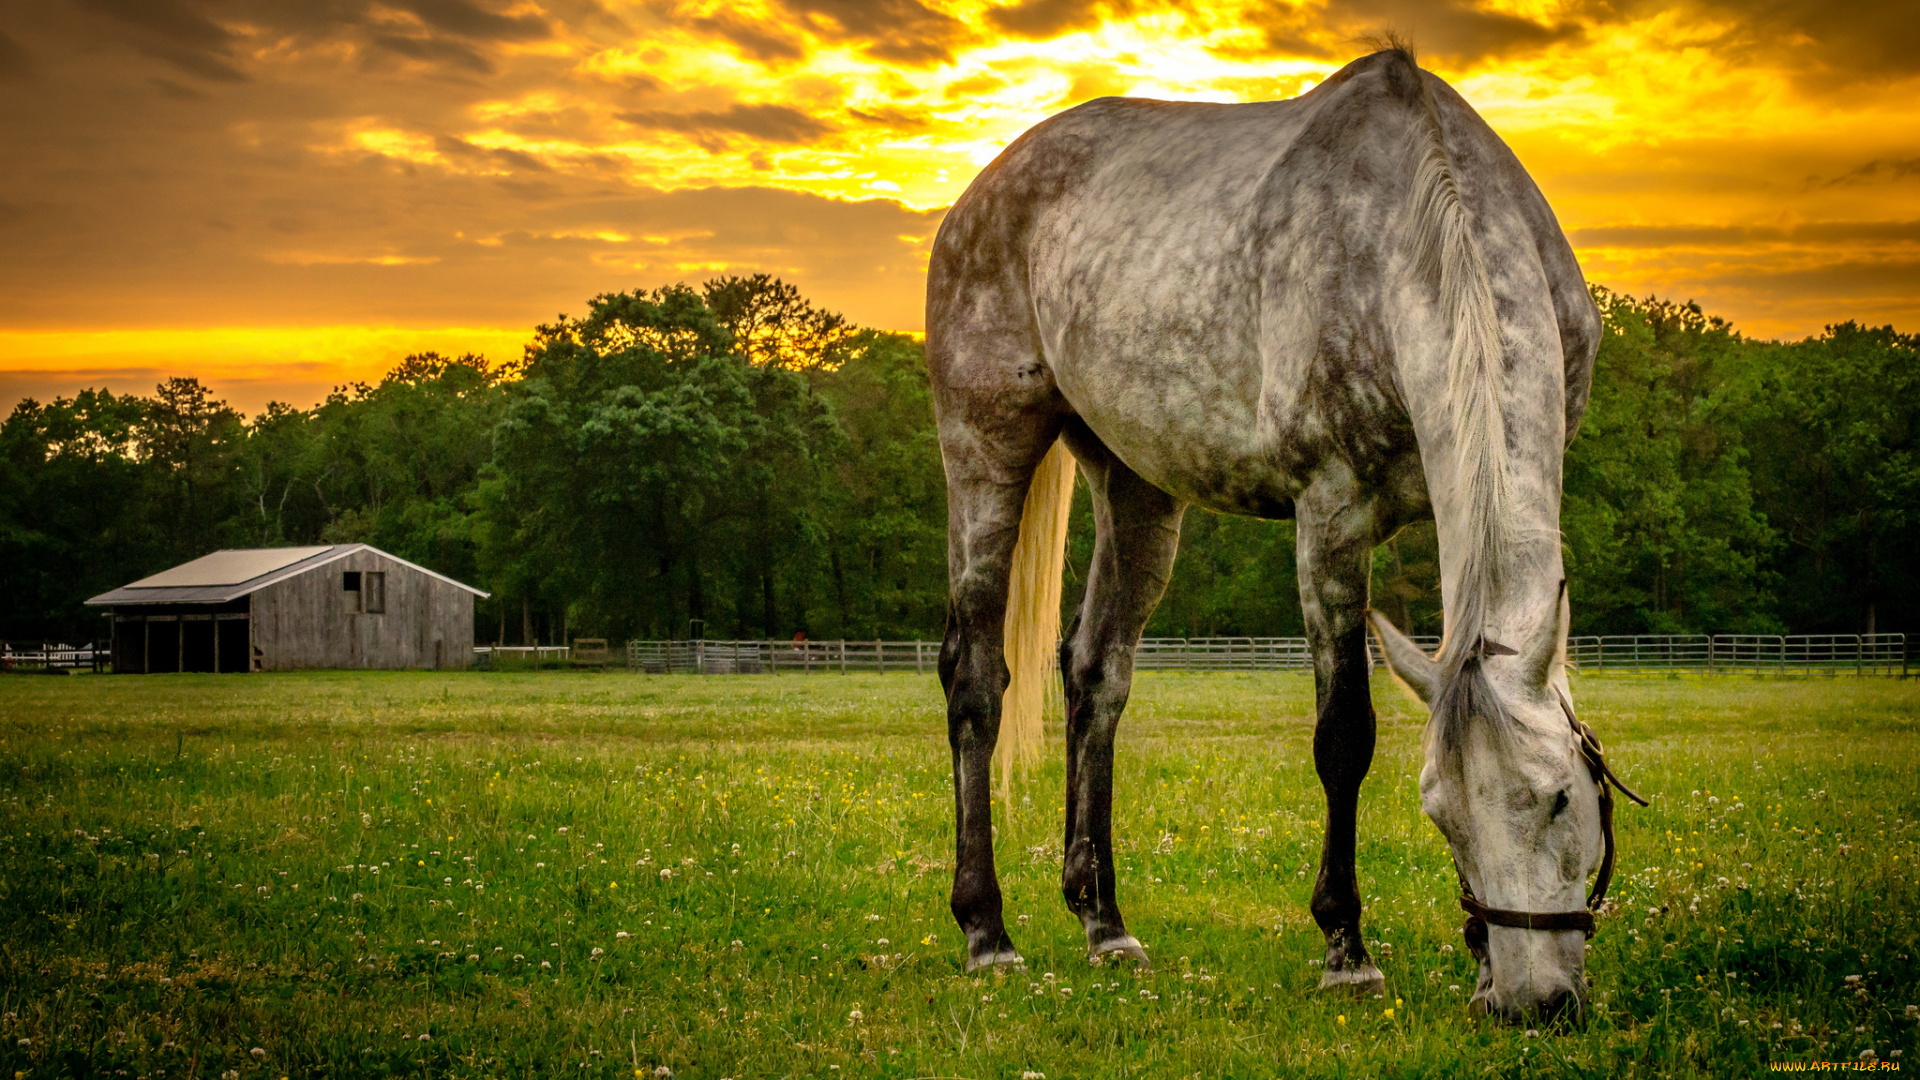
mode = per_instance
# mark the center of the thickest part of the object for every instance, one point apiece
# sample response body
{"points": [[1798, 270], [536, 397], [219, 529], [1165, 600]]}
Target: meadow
{"points": [[594, 875]]}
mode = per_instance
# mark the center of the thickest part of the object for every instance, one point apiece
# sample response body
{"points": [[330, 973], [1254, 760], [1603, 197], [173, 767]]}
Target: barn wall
{"points": [[309, 621]]}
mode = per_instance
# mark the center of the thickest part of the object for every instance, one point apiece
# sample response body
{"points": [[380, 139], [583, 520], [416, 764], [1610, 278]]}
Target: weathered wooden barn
{"points": [[276, 609]]}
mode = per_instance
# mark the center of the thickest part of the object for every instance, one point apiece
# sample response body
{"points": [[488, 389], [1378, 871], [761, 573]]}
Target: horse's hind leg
{"points": [[1336, 528], [1137, 534], [988, 472]]}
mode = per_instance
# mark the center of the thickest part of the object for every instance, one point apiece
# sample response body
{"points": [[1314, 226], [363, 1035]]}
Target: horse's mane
{"points": [[1446, 254]]}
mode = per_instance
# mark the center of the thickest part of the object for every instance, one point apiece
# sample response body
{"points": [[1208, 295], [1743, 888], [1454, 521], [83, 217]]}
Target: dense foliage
{"points": [[736, 456]]}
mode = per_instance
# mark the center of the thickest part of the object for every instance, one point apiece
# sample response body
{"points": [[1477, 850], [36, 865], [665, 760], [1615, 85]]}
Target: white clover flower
{"points": [[259, 1054]]}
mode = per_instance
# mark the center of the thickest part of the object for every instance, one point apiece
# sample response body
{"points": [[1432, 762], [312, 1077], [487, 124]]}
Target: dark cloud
{"points": [[171, 31], [760, 41], [983, 83], [167, 20], [1812, 233], [190, 35], [461, 149], [15, 64], [1456, 31], [890, 118], [171, 89], [1875, 170], [1040, 19], [470, 20], [773, 123], [903, 31], [435, 50], [1831, 45], [1898, 279]]}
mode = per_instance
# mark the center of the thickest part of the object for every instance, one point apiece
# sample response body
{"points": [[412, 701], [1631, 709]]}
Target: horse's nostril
{"points": [[1562, 1006]]}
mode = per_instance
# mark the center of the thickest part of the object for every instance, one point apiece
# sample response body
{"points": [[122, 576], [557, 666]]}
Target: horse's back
{"points": [[1175, 271]]}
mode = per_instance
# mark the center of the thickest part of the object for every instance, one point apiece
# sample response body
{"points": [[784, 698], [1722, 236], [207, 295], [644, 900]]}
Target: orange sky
{"points": [[279, 195]]}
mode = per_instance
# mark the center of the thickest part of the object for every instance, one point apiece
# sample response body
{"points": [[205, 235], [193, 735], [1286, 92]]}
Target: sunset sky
{"points": [[282, 195]]}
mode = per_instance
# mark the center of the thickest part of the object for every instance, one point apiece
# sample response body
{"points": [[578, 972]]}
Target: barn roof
{"points": [[232, 574]]}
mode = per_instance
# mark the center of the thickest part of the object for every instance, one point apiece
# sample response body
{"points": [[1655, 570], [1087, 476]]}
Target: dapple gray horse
{"points": [[1355, 309]]}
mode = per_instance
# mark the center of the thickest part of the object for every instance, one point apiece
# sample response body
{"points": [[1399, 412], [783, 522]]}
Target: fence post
{"points": [[773, 657], [1858, 645], [919, 663], [880, 655], [843, 656]]}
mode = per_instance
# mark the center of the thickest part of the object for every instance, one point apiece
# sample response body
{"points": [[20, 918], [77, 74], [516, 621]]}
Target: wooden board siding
{"points": [[310, 621]]}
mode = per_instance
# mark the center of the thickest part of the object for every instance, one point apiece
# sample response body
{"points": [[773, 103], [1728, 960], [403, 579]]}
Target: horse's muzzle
{"points": [[1563, 1007]]}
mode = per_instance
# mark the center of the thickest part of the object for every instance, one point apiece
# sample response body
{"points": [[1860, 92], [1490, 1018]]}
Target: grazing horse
{"points": [[1355, 309]]}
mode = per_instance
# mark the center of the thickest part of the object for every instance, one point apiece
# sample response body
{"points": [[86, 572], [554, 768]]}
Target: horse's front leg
{"points": [[1335, 558], [1137, 534]]}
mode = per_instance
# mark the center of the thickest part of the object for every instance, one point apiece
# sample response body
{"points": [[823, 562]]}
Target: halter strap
{"points": [[1479, 916]]}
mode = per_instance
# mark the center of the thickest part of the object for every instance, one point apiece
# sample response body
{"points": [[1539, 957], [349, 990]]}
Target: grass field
{"points": [[558, 874]]}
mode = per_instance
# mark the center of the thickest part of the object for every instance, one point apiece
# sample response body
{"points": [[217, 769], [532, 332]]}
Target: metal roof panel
{"points": [[167, 588], [229, 567]]}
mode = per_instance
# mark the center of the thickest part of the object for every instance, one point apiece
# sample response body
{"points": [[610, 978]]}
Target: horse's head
{"points": [[1508, 782]]}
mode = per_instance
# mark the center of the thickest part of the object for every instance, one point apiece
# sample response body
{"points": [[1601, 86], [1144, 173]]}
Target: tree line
{"points": [[736, 461]]}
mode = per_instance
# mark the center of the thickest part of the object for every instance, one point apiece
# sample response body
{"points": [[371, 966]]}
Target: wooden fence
{"points": [[53, 656], [781, 657], [1729, 654], [1718, 654]]}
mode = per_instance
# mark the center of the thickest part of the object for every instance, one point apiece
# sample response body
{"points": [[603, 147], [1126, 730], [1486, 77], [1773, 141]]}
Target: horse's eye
{"points": [[1559, 804]]}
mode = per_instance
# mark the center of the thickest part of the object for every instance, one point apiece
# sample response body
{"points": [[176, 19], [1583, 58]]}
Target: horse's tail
{"points": [[1033, 613], [1447, 254]]}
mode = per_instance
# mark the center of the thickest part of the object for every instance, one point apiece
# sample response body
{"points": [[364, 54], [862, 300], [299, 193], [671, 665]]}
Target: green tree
{"points": [[1661, 531], [613, 460], [1833, 422], [75, 516]]}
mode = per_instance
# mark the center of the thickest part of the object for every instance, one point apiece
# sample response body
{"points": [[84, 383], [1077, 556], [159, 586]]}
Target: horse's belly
{"points": [[1186, 424]]}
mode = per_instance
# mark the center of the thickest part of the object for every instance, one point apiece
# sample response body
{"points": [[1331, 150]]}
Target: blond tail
{"points": [[1033, 614]]}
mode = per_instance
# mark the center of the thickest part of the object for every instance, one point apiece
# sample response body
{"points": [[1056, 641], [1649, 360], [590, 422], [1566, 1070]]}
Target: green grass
{"points": [[588, 874]]}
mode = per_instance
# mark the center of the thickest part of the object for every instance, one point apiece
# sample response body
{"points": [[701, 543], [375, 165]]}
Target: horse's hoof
{"points": [[1360, 982], [1127, 946], [1006, 955]]}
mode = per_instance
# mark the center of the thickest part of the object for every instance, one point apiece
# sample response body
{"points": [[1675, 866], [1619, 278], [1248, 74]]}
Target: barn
{"points": [[278, 609]]}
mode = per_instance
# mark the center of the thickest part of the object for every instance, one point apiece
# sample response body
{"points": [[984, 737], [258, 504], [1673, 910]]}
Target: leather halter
{"points": [[1479, 916]]}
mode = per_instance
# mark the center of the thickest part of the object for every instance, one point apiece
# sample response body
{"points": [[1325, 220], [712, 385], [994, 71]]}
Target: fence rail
{"points": [[1718, 654], [777, 657], [1729, 654], [52, 656]]}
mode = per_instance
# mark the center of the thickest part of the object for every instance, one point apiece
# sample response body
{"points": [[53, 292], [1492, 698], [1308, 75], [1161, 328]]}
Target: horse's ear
{"points": [[1546, 649], [1408, 663]]}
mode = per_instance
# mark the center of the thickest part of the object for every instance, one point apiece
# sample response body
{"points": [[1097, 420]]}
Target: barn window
{"points": [[350, 582], [374, 595]]}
